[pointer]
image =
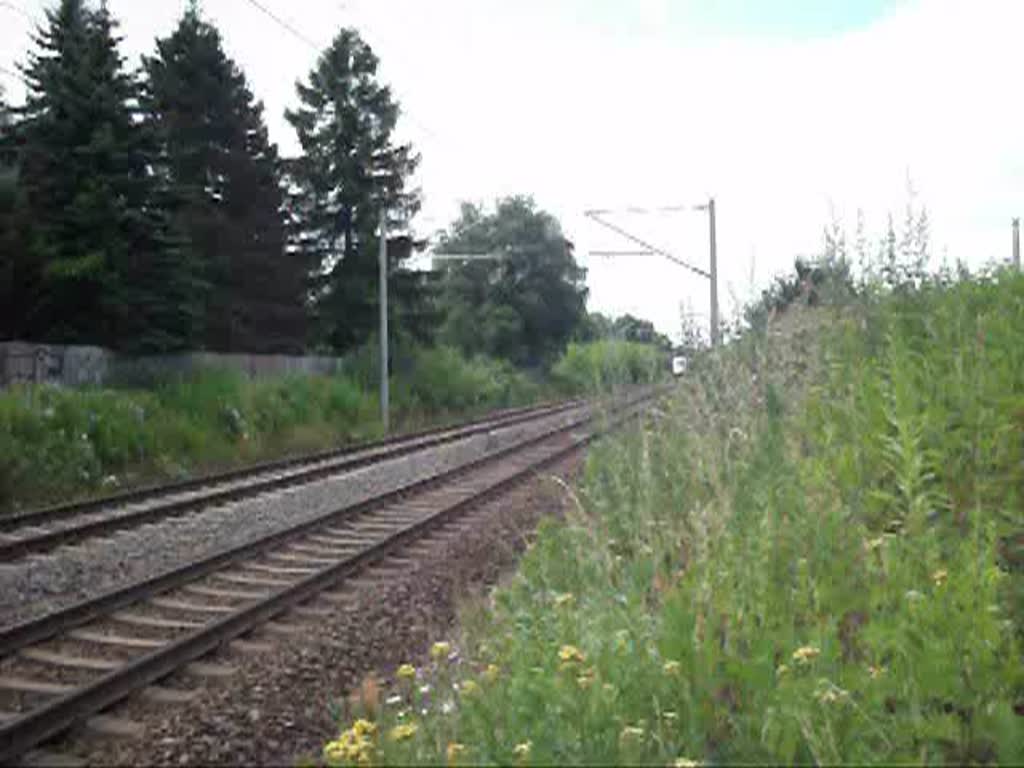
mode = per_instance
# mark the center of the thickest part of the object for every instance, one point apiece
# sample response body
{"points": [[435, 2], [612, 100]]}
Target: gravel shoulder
{"points": [[37, 585], [280, 706]]}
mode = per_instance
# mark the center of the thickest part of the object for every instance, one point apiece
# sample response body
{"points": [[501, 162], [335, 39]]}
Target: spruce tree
{"points": [[349, 170], [11, 247], [108, 269], [224, 174]]}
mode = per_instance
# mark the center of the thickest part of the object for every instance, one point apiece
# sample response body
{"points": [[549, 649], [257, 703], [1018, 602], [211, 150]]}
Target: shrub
{"points": [[56, 443], [811, 555], [442, 381], [605, 365]]}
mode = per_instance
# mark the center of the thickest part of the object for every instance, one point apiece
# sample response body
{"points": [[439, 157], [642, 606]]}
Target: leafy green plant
{"points": [[56, 443], [600, 366], [809, 555]]}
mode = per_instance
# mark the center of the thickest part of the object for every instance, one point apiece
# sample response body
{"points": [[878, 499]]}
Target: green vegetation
{"points": [[223, 178], [348, 168], [596, 326], [813, 553], [602, 366], [59, 443], [526, 300], [148, 211]]}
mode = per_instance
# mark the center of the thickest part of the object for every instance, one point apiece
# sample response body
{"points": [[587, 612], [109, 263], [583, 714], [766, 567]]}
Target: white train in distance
{"points": [[679, 363]]}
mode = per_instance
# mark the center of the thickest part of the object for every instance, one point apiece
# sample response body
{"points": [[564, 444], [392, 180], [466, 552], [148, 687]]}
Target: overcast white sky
{"points": [[781, 109]]}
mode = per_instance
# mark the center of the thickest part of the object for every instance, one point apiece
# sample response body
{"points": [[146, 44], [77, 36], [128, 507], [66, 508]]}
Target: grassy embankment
{"points": [[60, 443], [812, 554]]}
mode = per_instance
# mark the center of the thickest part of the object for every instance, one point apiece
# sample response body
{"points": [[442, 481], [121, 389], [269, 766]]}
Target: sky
{"points": [[787, 112]]}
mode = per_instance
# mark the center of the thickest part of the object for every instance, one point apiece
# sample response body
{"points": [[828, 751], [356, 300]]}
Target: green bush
{"points": [[600, 366], [442, 381], [812, 555], [57, 443]]}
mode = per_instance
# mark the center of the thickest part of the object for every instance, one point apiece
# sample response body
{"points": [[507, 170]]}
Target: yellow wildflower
{"points": [[939, 577], [631, 732], [781, 670], [406, 672], [403, 732], [875, 672], [672, 667], [363, 727], [469, 688], [454, 751], [570, 653], [440, 650], [805, 653], [564, 599], [491, 673], [335, 751], [351, 746], [685, 762], [522, 750]]}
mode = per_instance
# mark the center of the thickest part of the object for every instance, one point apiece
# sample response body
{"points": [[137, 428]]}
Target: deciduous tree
{"points": [[524, 306]]}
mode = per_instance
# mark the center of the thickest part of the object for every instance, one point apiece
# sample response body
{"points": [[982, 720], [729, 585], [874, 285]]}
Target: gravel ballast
{"points": [[281, 706], [36, 585]]}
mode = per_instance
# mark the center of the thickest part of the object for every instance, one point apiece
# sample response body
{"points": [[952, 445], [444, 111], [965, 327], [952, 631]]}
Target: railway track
{"points": [[43, 530], [67, 667]]}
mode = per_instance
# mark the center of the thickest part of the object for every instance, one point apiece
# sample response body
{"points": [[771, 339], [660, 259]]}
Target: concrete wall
{"points": [[75, 366]]}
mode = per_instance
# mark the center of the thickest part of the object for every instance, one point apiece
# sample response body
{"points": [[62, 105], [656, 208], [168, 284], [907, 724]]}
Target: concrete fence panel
{"points": [[81, 366]]}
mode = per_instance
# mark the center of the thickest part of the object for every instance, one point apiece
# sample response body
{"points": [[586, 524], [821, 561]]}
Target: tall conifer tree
{"points": [[225, 176], [349, 171]]}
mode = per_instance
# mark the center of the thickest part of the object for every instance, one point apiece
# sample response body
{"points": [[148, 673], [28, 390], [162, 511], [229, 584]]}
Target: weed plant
{"points": [[604, 366], [811, 554], [60, 443]]}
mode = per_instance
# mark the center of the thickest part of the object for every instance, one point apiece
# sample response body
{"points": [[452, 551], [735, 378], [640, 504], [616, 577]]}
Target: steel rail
{"points": [[41, 723], [346, 461], [35, 630]]}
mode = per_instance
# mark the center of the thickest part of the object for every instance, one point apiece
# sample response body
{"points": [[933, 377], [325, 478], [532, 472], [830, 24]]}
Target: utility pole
{"points": [[384, 394], [716, 333], [1016, 244]]}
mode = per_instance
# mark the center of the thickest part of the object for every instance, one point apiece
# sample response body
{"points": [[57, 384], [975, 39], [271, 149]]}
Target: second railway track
{"points": [[64, 668], [44, 530]]}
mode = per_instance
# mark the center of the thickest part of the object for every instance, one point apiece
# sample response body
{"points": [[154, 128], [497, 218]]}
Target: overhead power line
{"points": [[283, 24], [650, 249], [318, 48], [711, 275]]}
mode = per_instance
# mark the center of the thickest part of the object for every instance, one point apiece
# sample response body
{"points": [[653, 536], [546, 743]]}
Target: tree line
{"points": [[148, 210]]}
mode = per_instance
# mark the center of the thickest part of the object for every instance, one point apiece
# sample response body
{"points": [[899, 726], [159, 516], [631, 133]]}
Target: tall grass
{"points": [[59, 443], [813, 553]]}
